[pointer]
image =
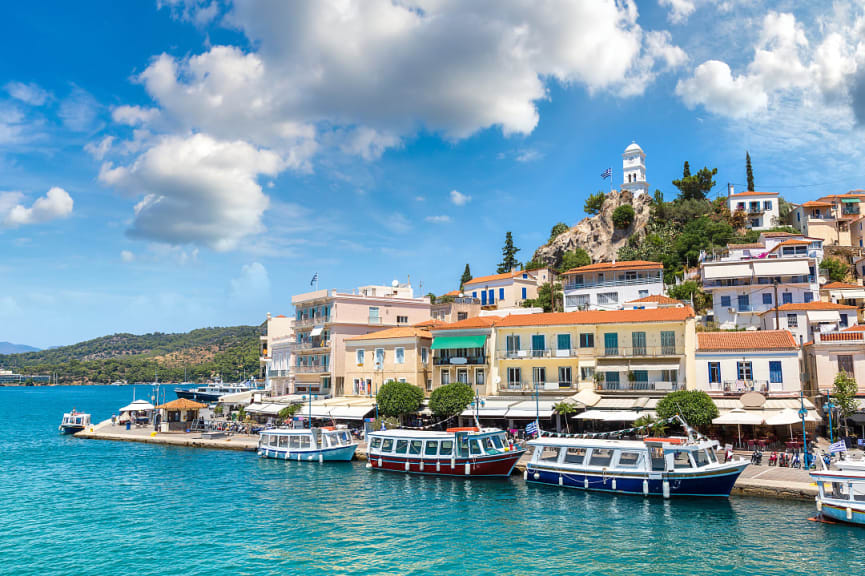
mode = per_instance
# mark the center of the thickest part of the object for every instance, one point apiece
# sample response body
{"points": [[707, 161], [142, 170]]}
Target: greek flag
{"points": [[314, 279], [532, 428], [838, 446], [607, 173]]}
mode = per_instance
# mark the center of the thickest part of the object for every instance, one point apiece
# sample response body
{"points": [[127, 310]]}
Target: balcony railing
{"points": [[539, 353], [763, 281], [311, 321], [314, 369], [610, 283], [312, 345], [459, 360], [743, 386], [528, 386], [627, 386], [642, 351]]}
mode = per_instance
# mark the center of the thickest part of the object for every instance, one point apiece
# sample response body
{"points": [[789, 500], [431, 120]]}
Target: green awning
{"points": [[451, 342], [850, 200]]}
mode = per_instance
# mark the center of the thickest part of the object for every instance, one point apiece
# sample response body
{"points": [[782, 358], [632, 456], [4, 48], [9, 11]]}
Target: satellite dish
{"points": [[395, 283]]}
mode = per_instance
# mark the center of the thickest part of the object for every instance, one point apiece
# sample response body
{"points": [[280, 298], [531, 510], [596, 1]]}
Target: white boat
{"points": [[849, 464], [212, 392], [74, 422], [327, 443], [665, 467], [841, 495]]}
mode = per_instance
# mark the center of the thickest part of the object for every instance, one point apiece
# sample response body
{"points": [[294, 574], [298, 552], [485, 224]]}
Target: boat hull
{"points": [[67, 429], [197, 396], [839, 514], [707, 484], [336, 454], [494, 465]]}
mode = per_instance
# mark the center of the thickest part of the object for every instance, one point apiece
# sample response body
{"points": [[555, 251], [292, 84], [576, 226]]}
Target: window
{"points": [[374, 318], [775, 374], [668, 342], [514, 378], [460, 315], [725, 301], [611, 344], [744, 302], [479, 376], [587, 340], [601, 457], [579, 301], [564, 376], [792, 320], [402, 319], [387, 446], [638, 341], [587, 373], [429, 384], [403, 380], [401, 446], [379, 357], [629, 459], [415, 447], [612, 380], [512, 342], [399, 354], [447, 448], [446, 377], [843, 321], [563, 342], [787, 298], [538, 345], [714, 372], [809, 296], [431, 448], [575, 455], [549, 454], [491, 295], [606, 298], [375, 444], [539, 376], [767, 205], [744, 371], [681, 460], [524, 293], [767, 298], [525, 276], [424, 355], [845, 363], [474, 294], [501, 293], [463, 376], [359, 355]]}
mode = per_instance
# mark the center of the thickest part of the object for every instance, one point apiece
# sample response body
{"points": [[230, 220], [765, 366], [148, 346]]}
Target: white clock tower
{"points": [[634, 170]]}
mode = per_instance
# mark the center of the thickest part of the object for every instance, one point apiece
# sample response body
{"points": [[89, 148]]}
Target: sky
{"points": [[177, 164]]}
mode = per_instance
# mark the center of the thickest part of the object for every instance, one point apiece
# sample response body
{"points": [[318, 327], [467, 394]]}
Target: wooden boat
{"points": [[307, 444], [471, 452], [651, 467], [74, 422], [841, 495]]}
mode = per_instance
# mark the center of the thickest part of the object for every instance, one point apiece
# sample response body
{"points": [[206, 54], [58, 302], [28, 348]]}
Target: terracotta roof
{"points": [[745, 246], [476, 322], [598, 317], [626, 265], [841, 337], [752, 193], [281, 316], [856, 328], [660, 299], [817, 204], [790, 242], [429, 323], [182, 404], [802, 306], [452, 293], [398, 332], [777, 234], [748, 340], [494, 277], [840, 286]]}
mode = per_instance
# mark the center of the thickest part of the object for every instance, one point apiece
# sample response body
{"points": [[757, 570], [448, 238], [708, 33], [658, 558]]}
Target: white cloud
{"points": [[199, 12], [13, 125], [715, 88], [680, 10], [253, 284], [31, 93], [528, 155], [196, 190], [134, 115], [99, 149], [459, 199], [54, 205], [79, 111], [127, 256], [443, 219]]}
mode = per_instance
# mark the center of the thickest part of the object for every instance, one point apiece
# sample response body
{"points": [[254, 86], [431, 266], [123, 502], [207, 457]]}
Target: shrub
{"points": [[694, 406], [450, 399], [574, 259], [557, 230], [623, 216], [594, 203], [398, 398], [835, 269]]}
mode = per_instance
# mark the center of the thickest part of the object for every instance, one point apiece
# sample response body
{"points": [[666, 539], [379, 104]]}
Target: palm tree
{"points": [[565, 409]]}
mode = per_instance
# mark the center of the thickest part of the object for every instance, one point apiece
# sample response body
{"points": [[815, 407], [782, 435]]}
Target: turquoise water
{"points": [[70, 506]]}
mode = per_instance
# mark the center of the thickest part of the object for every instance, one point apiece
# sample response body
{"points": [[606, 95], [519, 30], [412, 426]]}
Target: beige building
{"points": [[453, 307], [462, 352], [508, 290], [845, 293], [829, 354], [401, 354], [324, 319], [275, 327], [837, 219]]}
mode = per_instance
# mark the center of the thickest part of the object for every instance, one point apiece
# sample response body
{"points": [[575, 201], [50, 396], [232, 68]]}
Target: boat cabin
{"points": [[454, 443], [301, 439], [651, 455]]}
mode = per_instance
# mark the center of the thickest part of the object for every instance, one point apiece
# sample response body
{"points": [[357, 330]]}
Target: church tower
{"points": [[634, 170]]}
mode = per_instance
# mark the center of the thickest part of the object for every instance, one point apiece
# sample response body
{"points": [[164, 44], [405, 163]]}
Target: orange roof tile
{"points": [[816, 204], [452, 293], [429, 323], [840, 286], [748, 340], [494, 277], [182, 404], [597, 317], [856, 328], [625, 265], [476, 322], [790, 242], [745, 246], [398, 332], [777, 234], [752, 193], [660, 299], [802, 306], [841, 337]]}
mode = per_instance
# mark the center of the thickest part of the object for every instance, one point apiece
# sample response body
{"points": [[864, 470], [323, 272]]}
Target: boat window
{"points": [[838, 491], [549, 454], [488, 445], [415, 447], [387, 445], [346, 437], [401, 446], [283, 441], [432, 447], [601, 457], [304, 441], [700, 458], [294, 443], [462, 446], [629, 460], [498, 441], [575, 455], [712, 457], [476, 447], [682, 460], [273, 440], [447, 448], [375, 445]]}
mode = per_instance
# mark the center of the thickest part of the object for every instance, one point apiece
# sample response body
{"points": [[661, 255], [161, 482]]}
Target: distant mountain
{"points": [[198, 355], [10, 348]]}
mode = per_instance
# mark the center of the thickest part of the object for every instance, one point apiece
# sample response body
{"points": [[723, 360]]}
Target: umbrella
{"points": [[140, 405], [788, 417], [739, 416]]}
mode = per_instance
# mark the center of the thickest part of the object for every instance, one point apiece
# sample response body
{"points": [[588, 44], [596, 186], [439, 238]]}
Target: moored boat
{"points": [[468, 451], [74, 422], [651, 467], [841, 495], [307, 444], [213, 391]]}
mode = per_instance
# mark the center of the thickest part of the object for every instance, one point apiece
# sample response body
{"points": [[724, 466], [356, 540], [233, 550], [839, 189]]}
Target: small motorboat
{"points": [[841, 495], [467, 452], [328, 443], [74, 422]]}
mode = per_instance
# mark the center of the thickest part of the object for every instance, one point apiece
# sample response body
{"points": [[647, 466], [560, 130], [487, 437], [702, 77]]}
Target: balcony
{"points": [[611, 283], [652, 385], [527, 386], [544, 353], [459, 360], [738, 387], [312, 321], [306, 346], [641, 351], [314, 369]]}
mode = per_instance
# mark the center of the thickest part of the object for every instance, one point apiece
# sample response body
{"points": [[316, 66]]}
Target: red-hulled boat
{"points": [[455, 452]]}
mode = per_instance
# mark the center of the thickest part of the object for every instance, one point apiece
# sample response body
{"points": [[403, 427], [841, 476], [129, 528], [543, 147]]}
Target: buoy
{"points": [[379, 461], [259, 452], [285, 456], [407, 465], [369, 464], [421, 465], [585, 482], [645, 487], [561, 483], [298, 456], [819, 506], [438, 466], [320, 458], [537, 476], [526, 474], [849, 513], [614, 483], [468, 469], [453, 462], [666, 489]]}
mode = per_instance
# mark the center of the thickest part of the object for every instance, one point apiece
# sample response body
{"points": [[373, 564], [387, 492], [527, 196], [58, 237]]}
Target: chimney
{"points": [[729, 189]]}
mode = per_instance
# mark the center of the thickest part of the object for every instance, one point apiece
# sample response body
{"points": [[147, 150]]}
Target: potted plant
{"points": [[599, 380]]}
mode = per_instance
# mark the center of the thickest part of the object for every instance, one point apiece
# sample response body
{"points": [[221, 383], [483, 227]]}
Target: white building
{"points": [[749, 279], [280, 375], [760, 208], [275, 327], [634, 170], [806, 320], [609, 285], [739, 362]]}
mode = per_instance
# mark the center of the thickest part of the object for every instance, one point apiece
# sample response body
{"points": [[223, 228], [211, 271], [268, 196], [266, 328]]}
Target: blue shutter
{"points": [[775, 374], [483, 297], [501, 293], [492, 296], [725, 301], [524, 293]]}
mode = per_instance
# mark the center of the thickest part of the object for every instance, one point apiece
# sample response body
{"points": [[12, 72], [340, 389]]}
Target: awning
{"points": [[627, 415], [527, 409], [850, 200], [726, 271], [847, 294], [815, 316], [591, 415], [489, 409], [452, 342], [266, 409], [781, 268], [138, 405], [662, 366], [789, 416], [236, 398], [350, 412], [739, 416], [316, 331]]}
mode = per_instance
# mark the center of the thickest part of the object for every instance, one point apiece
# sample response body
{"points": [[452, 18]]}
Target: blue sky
{"points": [[177, 164]]}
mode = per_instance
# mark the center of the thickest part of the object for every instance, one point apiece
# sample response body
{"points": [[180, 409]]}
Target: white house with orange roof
{"points": [[836, 218], [508, 290], [828, 354], [804, 320], [760, 208], [609, 285], [400, 354], [730, 363], [653, 302], [845, 293]]}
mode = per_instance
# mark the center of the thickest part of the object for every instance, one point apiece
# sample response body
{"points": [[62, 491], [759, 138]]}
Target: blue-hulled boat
{"points": [[74, 422], [307, 444], [841, 495], [651, 467]]}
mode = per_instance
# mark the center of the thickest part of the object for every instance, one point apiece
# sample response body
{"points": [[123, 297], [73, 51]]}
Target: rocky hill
{"points": [[596, 234]]}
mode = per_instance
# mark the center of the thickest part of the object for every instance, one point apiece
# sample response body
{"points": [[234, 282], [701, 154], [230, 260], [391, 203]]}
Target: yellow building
{"points": [[462, 352], [648, 351], [401, 354]]}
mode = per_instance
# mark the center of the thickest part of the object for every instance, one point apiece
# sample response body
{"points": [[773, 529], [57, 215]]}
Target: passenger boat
{"points": [[74, 422], [467, 451], [651, 467], [212, 392], [307, 444], [841, 495]]}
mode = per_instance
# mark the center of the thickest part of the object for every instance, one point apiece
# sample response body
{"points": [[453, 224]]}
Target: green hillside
{"points": [[203, 353]]}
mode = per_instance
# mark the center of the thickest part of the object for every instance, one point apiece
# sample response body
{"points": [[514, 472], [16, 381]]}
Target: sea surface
{"points": [[70, 506]]}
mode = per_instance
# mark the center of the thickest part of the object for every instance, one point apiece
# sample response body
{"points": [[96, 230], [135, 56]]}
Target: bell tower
{"points": [[634, 170]]}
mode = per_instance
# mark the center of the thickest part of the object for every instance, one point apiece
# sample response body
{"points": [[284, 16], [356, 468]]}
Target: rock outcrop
{"points": [[596, 234]]}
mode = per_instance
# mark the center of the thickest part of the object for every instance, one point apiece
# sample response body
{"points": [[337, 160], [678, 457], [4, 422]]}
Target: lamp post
{"points": [[830, 406], [802, 414], [537, 409]]}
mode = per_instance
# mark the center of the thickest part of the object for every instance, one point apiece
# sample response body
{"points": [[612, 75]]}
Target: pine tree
{"points": [[509, 255], [686, 171], [467, 276], [749, 173]]}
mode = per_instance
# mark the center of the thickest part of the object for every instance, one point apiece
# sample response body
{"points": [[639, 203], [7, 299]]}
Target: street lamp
{"points": [[802, 413], [830, 406]]}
